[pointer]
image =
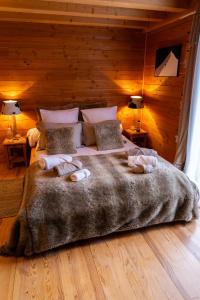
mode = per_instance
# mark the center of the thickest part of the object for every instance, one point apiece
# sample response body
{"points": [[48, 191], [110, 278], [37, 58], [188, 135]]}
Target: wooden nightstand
{"points": [[138, 138], [16, 151]]}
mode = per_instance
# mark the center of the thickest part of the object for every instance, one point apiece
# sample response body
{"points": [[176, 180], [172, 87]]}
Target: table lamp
{"points": [[11, 107], [137, 103]]}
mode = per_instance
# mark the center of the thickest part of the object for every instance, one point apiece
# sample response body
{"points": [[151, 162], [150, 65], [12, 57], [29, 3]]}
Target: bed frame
{"points": [[33, 155]]}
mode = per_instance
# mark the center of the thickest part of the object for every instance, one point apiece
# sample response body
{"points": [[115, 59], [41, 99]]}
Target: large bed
{"points": [[55, 211]]}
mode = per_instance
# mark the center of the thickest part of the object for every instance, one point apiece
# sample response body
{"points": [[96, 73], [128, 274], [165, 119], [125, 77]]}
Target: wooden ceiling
{"points": [[145, 15]]}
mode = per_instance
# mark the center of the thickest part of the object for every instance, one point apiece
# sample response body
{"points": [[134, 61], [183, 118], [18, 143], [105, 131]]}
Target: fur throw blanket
{"points": [[56, 211]]}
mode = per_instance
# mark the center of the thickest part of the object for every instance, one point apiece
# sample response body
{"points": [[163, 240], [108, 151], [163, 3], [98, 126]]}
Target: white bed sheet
{"points": [[92, 150]]}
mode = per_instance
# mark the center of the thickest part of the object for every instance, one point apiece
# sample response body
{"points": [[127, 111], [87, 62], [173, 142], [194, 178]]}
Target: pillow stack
{"points": [[60, 131]]}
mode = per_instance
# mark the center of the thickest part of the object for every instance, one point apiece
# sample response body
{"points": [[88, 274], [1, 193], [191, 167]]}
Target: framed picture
{"points": [[167, 61]]}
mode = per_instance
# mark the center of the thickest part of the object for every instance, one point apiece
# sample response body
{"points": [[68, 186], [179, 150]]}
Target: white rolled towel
{"points": [[142, 160], [50, 161], [80, 174]]}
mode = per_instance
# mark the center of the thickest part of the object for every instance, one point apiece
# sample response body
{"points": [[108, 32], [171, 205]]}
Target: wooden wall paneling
{"points": [[163, 95], [56, 64]]}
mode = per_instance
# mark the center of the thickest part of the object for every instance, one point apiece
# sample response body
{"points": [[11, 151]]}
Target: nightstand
{"points": [[16, 151], [138, 138]]}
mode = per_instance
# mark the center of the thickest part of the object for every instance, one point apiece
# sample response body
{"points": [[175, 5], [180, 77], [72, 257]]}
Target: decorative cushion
{"points": [[60, 140], [95, 115], [108, 135], [89, 137], [33, 136], [42, 126], [60, 116]]}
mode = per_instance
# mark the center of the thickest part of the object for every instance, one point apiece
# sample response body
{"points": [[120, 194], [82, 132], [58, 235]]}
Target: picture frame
{"points": [[167, 61]]}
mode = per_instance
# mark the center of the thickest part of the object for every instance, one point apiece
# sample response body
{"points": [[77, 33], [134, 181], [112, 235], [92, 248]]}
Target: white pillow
{"points": [[95, 115], [33, 136], [60, 116]]}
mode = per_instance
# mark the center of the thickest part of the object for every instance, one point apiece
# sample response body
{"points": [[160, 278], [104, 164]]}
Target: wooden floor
{"points": [[157, 263], [6, 173]]}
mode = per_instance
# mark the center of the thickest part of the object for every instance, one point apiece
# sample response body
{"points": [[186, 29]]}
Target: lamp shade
{"points": [[10, 107], [136, 102]]}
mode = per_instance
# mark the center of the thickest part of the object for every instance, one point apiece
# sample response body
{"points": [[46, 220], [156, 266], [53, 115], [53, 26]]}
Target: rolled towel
{"points": [[50, 161], [77, 163], [148, 169], [142, 160], [67, 168], [140, 169], [79, 175], [142, 151]]}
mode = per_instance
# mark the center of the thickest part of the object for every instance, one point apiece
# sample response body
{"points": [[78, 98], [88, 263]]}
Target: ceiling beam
{"points": [[159, 5], [49, 19], [63, 9], [140, 14], [177, 17]]}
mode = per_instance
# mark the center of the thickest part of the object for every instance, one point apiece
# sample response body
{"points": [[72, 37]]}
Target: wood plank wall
{"points": [[163, 94], [56, 64]]}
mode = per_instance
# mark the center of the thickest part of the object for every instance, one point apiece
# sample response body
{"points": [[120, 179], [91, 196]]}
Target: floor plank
{"points": [[6, 173], [38, 278], [148, 278], [113, 278], [181, 265], [67, 276], [152, 264], [7, 277], [7, 264], [190, 239], [82, 275]]}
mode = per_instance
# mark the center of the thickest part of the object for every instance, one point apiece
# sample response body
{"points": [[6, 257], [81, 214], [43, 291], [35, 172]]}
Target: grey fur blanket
{"points": [[56, 211]]}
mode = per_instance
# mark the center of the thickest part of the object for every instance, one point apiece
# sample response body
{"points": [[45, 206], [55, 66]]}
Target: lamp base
{"points": [[13, 125], [17, 136], [9, 134], [133, 128], [136, 127]]}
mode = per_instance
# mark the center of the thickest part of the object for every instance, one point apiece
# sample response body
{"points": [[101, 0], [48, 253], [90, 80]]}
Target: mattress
{"points": [[86, 151]]}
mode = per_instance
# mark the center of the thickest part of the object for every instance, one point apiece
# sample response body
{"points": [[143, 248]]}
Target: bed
{"points": [[56, 212]]}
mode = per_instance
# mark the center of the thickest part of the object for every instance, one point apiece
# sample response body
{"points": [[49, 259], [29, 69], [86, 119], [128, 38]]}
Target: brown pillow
{"points": [[60, 141], [42, 126], [89, 138], [108, 135]]}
